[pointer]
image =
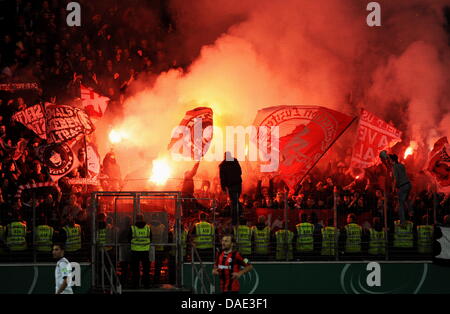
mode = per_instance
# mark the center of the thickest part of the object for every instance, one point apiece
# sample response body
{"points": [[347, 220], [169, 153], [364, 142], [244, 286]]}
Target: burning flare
{"points": [[410, 149], [116, 136], [160, 172]]}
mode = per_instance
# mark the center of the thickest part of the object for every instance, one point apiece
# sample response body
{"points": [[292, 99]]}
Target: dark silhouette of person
{"points": [[231, 182]]}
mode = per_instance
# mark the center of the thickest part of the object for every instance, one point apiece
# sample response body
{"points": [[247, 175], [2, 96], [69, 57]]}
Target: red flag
{"points": [[93, 103], [373, 136], [306, 133], [193, 136], [439, 164]]}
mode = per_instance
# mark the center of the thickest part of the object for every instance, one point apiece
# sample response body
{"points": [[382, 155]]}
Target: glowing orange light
{"points": [[160, 172], [357, 177], [410, 150], [116, 136]]}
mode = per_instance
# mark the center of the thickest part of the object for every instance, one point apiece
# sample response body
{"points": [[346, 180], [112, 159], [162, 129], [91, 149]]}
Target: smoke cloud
{"points": [[247, 55]]}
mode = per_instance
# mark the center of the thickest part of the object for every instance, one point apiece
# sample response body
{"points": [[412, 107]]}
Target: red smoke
{"points": [[247, 55]]}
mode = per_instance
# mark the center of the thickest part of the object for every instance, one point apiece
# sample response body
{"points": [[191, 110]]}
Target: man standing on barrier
{"points": [[231, 182], [403, 187]]}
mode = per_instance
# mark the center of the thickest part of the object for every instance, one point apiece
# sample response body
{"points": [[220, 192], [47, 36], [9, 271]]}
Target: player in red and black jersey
{"points": [[228, 266]]}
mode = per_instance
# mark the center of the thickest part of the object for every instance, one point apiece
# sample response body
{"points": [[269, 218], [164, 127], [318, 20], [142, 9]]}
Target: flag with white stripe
{"points": [[373, 136]]}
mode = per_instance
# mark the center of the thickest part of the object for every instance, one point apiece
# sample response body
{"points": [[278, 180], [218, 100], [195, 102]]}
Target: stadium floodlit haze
{"points": [[137, 136]]}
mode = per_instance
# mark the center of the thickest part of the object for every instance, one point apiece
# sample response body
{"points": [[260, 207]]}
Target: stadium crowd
{"points": [[39, 47]]}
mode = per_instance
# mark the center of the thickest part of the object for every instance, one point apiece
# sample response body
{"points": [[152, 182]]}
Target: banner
{"points": [[65, 123], [83, 181], [93, 103], [439, 164], [39, 185], [195, 132], [93, 160], [373, 136], [33, 118], [11, 87], [306, 133], [60, 158]]}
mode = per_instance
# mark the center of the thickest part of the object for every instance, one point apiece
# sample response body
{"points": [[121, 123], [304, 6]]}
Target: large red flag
{"points": [[373, 136], [93, 103], [306, 133], [439, 164], [194, 133]]}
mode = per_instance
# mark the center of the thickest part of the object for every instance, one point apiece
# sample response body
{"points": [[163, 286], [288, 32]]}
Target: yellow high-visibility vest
{"points": [[284, 243], [101, 238], [403, 236], [425, 238], [140, 240], [305, 239], [377, 242], [204, 235], [16, 237], [262, 240], [329, 241], [353, 242], [44, 235], [243, 236], [73, 242]]}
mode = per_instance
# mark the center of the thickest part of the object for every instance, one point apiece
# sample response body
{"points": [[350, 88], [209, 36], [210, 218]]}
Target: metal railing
{"points": [[201, 274], [108, 272]]}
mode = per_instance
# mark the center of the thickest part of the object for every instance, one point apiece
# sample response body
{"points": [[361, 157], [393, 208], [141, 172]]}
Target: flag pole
{"points": [[434, 203], [334, 141], [86, 169]]}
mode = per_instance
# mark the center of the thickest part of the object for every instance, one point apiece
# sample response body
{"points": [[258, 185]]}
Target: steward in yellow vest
{"points": [[243, 235], [353, 236], [72, 235], [425, 233], [44, 236], [377, 238], [261, 237], [16, 233], [140, 238], [304, 235], [284, 239], [403, 235], [105, 231], [330, 236], [204, 233]]}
